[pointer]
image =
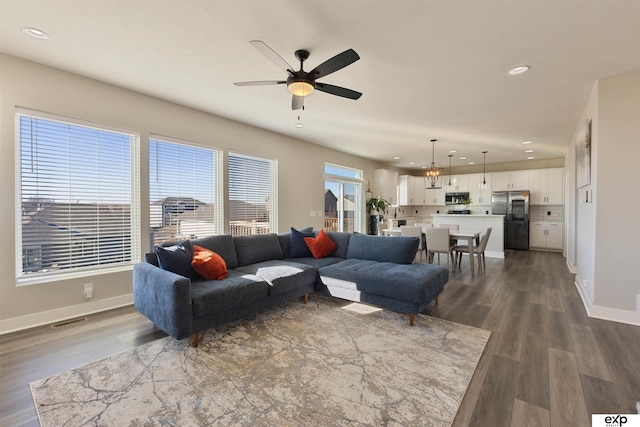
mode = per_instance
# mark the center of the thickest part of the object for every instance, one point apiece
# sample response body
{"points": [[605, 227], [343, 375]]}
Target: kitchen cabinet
{"points": [[546, 235], [434, 197], [547, 186], [385, 185], [406, 190], [480, 196], [458, 183], [419, 190], [513, 180]]}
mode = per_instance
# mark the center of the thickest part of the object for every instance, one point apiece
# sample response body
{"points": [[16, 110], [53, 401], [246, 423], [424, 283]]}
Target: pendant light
{"points": [[434, 170], [483, 184]]}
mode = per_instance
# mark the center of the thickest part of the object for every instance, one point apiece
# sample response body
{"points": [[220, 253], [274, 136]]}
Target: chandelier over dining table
{"points": [[433, 171]]}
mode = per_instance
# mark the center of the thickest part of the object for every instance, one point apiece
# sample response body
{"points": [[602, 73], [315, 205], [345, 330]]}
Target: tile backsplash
{"points": [[547, 213]]}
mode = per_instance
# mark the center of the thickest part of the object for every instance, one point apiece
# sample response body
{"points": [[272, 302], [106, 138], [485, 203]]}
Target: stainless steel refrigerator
{"points": [[514, 205]]}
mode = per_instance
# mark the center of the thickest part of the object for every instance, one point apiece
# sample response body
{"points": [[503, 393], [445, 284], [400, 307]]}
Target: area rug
{"points": [[326, 363]]}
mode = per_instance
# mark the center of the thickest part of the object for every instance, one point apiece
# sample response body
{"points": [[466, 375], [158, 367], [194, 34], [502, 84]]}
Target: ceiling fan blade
{"points": [[272, 56], [297, 102], [337, 90], [334, 64], [261, 83]]}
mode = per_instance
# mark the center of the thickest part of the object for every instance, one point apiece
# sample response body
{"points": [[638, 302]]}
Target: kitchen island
{"points": [[495, 245]]}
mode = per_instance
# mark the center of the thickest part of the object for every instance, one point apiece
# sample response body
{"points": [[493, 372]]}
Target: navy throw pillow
{"points": [[177, 259], [297, 246]]}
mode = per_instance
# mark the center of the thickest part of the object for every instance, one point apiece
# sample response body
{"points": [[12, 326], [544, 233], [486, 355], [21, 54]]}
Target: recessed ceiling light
{"points": [[530, 158], [412, 163], [452, 151], [35, 33], [463, 158], [472, 163], [396, 158], [519, 70], [424, 167], [527, 142], [299, 125], [528, 151]]}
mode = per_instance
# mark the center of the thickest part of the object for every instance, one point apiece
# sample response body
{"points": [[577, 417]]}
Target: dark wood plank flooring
{"points": [[546, 362]]}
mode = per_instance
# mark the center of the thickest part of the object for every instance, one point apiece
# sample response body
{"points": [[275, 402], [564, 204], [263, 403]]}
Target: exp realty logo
{"points": [[615, 420]]}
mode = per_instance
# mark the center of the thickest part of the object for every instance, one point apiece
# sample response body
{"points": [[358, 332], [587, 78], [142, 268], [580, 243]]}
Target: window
{"points": [[183, 191], [77, 210], [252, 195], [342, 198]]}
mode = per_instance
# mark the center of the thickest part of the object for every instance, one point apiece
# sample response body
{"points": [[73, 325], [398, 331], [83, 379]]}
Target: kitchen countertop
{"points": [[469, 215]]}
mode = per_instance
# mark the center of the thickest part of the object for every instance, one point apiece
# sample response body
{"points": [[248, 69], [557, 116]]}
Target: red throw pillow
{"points": [[320, 246], [208, 264]]}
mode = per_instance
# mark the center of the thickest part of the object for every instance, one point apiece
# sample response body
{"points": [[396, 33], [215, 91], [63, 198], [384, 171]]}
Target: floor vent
{"points": [[68, 322]]}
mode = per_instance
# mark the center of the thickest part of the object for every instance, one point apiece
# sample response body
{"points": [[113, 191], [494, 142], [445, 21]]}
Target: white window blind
{"points": [[183, 190], [252, 195], [77, 198]]}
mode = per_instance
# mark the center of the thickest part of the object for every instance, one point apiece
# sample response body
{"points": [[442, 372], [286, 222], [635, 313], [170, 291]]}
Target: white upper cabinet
{"points": [[385, 185], [434, 197], [547, 186], [406, 190], [480, 196], [513, 180], [419, 190], [458, 183]]}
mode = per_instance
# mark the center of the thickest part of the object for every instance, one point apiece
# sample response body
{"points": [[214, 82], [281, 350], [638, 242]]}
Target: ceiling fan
{"points": [[302, 83]]}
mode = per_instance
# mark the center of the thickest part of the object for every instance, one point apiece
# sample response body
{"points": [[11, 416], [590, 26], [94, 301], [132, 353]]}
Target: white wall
{"points": [[34, 86], [607, 230]]}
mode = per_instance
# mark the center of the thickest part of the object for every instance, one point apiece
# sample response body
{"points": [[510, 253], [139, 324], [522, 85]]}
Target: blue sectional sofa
{"points": [[269, 269]]}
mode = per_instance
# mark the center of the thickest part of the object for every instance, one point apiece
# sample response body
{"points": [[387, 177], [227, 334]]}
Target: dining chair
{"points": [[424, 226], [438, 242], [477, 250], [406, 230]]}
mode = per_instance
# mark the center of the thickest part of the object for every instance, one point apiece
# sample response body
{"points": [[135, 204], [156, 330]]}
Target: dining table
{"points": [[469, 235]]}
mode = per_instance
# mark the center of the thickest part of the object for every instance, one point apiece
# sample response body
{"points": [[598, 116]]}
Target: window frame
{"points": [[22, 278], [219, 202], [273, 203], [359, 214]]}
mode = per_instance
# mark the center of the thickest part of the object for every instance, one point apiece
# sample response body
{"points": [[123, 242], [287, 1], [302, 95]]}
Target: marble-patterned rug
{"points": [[326, 363]]}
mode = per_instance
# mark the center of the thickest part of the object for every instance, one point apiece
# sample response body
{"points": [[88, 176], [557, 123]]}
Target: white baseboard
{"points": [[607, 313], [52, 316], [494, 254]]}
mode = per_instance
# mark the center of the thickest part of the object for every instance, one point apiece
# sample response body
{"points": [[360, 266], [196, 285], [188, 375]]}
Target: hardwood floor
{"points": [[546, 363]]}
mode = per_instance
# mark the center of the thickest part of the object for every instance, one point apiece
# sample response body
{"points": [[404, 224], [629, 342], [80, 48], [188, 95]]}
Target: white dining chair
{"points": [[438, 242], [406, 230], [478, 250]]}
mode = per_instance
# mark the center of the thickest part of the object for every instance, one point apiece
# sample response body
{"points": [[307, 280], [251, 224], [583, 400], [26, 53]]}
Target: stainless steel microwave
{"points": [[455, 198]]}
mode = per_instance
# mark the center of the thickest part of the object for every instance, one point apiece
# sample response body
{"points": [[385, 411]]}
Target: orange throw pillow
{"points": [[208, 264], [320, 246]]}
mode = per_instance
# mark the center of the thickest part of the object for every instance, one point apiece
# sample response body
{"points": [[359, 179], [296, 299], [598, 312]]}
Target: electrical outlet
{"points": [[88, 290], [548, 212]]}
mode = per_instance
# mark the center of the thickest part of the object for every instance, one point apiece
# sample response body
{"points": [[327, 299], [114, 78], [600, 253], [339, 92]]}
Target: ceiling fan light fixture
{"points": [[300, 87]]}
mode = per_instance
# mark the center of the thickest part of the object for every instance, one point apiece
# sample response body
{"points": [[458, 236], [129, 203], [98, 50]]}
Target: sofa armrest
{"points": [[163, 297]]}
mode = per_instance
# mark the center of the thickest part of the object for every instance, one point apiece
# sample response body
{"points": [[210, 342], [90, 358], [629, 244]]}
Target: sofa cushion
{"points": [[177, 259], [398, 250], [341, 240], [222, 245], [208, 264], [257, 248], [282, 276], [415, 282], [237, 289], [320, 246], [285, 240], [317, 263], [297, 247]]}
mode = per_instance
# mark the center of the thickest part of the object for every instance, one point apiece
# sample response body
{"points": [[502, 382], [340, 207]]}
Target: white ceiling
{"points": [[428, 69]]}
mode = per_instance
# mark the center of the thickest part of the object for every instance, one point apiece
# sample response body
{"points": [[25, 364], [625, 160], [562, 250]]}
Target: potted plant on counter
{"points": [[375, 208], [466, 202]]}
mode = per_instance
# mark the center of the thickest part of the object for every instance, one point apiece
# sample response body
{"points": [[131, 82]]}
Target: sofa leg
{"points": [[306, 298], [411, 319], [196, 340], [436, 300]]}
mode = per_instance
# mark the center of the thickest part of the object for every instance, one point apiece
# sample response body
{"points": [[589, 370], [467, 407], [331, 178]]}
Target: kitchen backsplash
{"points": [[536, 213], [547, 213]]}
